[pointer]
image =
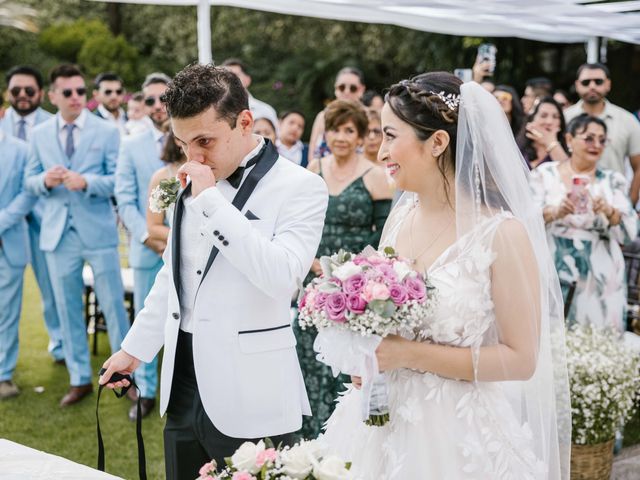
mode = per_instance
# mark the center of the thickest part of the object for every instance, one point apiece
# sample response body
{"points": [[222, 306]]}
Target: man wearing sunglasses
{"points": [[623, 129], [109, 93], [25, 93], [138, 160], [71, 165]]}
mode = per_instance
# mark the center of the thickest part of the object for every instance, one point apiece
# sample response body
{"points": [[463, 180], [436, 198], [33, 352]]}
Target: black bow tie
{"points": [[236, 177]]}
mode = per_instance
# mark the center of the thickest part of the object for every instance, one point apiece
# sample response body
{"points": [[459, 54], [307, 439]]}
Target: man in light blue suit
{"points": [[72, 159], [15, 203], [25, 92], [138, 160]]}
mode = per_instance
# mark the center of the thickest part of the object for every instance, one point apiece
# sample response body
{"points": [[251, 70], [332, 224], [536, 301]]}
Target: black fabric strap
{"points": [[142, 462]]}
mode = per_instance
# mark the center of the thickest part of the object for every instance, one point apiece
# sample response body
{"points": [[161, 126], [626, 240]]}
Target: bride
{"points": [[486, 396]]}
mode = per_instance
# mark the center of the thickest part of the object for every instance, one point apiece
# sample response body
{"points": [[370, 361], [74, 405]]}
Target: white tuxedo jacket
{"points": [[244, 352]]}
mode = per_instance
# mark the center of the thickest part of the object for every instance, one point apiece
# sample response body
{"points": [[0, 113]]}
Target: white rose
{"points": [[402, 270], [347, 270], [331, 468], [297, 462], [245, 457]]}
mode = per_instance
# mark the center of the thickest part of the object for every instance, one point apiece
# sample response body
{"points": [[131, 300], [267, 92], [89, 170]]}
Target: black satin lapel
{"points": [[175, 238], [267, 159]]}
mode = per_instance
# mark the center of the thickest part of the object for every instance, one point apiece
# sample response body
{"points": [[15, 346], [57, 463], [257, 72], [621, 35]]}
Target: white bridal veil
{"points": [[492, 177]]}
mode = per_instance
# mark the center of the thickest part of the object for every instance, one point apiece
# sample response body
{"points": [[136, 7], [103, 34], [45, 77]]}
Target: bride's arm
{"points": [[515, 290]]}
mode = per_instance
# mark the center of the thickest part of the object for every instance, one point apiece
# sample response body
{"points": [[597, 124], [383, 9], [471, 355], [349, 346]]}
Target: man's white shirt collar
{"points": [[78, 122], [30, 119], [252, 153]]}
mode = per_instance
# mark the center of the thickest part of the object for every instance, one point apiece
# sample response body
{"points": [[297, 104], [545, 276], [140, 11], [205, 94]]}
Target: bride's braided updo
{"points": [[430, 102]]}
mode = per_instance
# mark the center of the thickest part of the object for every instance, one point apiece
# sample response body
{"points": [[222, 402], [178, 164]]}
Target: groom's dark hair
{"points": [[197, 88]]}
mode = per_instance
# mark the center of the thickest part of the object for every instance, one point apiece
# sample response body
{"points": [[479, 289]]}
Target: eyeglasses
{"points": [[503, 96], [151, 101], [591, 140], [587, 81], [67, 92], [375, 131], [28, 91], [342, 87], [117, 92]]}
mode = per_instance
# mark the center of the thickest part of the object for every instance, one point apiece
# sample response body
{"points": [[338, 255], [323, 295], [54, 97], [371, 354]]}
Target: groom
{"points": [[246, 229]]}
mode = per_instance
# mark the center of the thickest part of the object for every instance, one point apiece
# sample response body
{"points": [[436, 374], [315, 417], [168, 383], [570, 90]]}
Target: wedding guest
{"points": [[264, 127], [622, 153], [359, 202], [534, 89], [373, 137], [138, 121], [543, 138], [510, 103], [109, 93], [25, 93], [349, 85], [289, 144], [15, 204], [585, 228], [139, 158], [372, 100], [562, 98], [71, 165]]}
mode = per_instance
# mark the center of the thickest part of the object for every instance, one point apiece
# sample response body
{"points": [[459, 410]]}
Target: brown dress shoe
{"points": [[60, 361], [146, 405], [75, 394], [8, 389]]}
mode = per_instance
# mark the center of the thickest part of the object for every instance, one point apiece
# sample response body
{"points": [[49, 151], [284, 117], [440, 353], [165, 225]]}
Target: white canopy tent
{"points": [[559, 21]]}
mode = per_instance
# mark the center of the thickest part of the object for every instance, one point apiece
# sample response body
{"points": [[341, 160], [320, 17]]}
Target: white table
{"points": [[18, 462]]}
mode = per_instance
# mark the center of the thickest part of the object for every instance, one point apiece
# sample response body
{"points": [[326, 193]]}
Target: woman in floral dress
{"points": [[586, 246]]}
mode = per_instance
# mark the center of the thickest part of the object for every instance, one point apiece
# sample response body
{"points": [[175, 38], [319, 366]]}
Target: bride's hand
{"points": [[391, 353], [356, 381]]}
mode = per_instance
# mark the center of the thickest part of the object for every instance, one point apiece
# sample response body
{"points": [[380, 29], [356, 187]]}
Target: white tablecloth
{"points": [[18, 462]]}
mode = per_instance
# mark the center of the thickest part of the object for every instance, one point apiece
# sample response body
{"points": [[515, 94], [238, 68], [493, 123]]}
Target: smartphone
{"points": [[487, 53], [579, 193], [464, 74]]}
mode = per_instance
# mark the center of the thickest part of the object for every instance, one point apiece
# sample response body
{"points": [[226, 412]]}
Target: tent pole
{"points": [[593, 55], [204, 31]]}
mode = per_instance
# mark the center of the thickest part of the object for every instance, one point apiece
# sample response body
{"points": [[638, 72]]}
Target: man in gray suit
{"points": [[25, 93]]}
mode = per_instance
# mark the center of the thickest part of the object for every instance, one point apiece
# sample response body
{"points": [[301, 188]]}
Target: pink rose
{"points": [[415, 288], [354, 284], [376, 260], [356, 304], [398, 294], [321, 299], [360, 260], [335, 306], [303, 301], [208, 468], [267, 455], [388, 273], [375, 291], [242, 476]]}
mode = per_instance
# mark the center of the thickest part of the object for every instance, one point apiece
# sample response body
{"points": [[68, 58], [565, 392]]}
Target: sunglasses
{"points": [[28, 91], [117, 92], [587, 81], [503, 96], [375, 131], [352, 88], [151, 101], [591, 140], [67, 92]]}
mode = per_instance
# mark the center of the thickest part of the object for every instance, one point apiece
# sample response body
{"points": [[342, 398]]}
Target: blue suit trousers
{"points": [[11, 282]]}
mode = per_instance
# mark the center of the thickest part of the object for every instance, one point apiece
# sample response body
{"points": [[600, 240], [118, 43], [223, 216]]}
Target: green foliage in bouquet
{"points": [[604, 377]]}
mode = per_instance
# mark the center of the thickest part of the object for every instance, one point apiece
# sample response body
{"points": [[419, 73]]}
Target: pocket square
{"points": [[251, 216]]}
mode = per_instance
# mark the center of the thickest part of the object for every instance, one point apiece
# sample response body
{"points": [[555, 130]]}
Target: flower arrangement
{"points": [[164, 195], [305, 460], [604, 378], [372, 293]]}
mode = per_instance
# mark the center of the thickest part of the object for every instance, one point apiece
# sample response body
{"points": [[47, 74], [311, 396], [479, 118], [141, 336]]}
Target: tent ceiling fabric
{"points": [[562, 21]]}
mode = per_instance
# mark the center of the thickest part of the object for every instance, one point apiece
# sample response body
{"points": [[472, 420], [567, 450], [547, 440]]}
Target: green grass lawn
{"points": [[36, 420]]}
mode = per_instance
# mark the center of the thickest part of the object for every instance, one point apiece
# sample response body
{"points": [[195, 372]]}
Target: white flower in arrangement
{"points": [[245, 457], [164, 195], [297, 462], [346, 270], [331, 468], [403, 270]]}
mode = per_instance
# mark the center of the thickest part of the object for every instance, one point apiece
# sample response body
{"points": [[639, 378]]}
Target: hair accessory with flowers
{"points": [[451, 100], [164, 195]]}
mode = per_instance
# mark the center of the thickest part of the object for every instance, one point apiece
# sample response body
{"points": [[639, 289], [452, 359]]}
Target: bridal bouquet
{"points": [[358, 300], [164, 195], [262, 461]]}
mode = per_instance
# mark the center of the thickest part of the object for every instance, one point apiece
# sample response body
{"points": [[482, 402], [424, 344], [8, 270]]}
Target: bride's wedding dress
{"points": [[442, 428]]}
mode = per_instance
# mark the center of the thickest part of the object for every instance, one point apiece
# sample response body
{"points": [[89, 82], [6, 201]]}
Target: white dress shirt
{"points": [[62, 131], [294, 153], [14, 118], [120, 122], [194, 253]]}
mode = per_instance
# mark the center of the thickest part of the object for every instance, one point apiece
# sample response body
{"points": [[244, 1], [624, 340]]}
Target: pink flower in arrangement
{"points": [[375, 291], [320, 300], [354, 284], [206, 468], [356, 304], [265, 456], [388, 273], [415, 288], [335, 306], [376, 260], [360, 260], [242, 476], [398, 294]]}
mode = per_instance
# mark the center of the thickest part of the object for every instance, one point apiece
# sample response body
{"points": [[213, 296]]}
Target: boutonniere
{"points": [[164, 195]]}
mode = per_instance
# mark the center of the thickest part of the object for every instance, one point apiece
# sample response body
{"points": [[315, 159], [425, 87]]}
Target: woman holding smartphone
{"points": [[588, 216]]}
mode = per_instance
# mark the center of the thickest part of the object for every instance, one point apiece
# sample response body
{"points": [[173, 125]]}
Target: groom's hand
{"points": [[120, 362], [201, 176]]}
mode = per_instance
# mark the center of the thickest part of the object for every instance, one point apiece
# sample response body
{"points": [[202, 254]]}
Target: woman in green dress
{"points": [[359, 202]]}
